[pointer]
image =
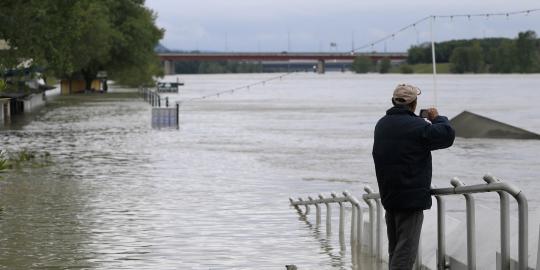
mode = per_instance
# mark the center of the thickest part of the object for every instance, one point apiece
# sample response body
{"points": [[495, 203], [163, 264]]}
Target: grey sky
{"points": [[311, 25]]}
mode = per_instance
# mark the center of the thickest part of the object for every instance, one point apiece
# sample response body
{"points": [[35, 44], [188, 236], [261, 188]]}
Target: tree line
{"points": [[495, 55], [364, 64], [211, 67], [74, 39]]}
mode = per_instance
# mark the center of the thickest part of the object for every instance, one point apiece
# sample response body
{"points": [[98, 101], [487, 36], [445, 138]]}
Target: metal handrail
{"points": [[152, 97], [356, 216], [495, 185], [375, 216]]}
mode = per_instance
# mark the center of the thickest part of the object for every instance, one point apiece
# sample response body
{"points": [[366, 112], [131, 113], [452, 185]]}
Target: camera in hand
{"points": [[424, 113]]}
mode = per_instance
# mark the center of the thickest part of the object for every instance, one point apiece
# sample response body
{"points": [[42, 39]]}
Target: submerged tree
{"points": [[78, 38], [467, 59], [503, 58], [362, 64], [385, 65], [527, 53]]}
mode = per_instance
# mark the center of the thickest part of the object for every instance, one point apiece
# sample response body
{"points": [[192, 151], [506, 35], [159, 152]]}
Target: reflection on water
{"points": [[213, 195]]}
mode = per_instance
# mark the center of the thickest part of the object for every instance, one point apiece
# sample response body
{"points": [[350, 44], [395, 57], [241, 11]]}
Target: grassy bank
{"points": [[424, 68]]}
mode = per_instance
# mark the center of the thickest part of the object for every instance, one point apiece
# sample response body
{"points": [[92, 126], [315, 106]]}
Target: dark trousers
{"points": [[403, 228]]}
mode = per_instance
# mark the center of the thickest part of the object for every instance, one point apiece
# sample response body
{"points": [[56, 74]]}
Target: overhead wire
{"points": [[451, 16], [243, 87], [373, 43]]}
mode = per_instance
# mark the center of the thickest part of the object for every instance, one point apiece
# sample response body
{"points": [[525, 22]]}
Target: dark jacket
{"points": [[402, 155]]}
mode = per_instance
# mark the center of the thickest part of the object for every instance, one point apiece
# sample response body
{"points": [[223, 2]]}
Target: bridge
{"points": [[169, 58]]}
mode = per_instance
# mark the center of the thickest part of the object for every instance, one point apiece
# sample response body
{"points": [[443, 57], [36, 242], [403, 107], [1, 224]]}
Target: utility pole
{"points": [[352, 42], [288, 40], [288, 50], [226, 42]]}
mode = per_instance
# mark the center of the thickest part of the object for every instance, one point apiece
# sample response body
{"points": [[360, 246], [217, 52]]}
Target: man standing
{"points": [[402, 155]]}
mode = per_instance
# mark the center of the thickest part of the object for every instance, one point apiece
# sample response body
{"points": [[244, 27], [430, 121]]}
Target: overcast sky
{"points": [[312, 25]]}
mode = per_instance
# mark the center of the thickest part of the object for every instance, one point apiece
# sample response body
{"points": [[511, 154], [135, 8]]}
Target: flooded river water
{"points": [[214, 194]]}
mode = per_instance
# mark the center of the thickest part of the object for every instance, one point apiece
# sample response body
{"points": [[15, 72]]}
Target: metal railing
{"points": [[356, 216], [152, 97], [374, 241]]}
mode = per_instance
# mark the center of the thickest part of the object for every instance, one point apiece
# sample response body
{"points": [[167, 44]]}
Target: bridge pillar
{"points": [[320, 66], [168, 67]]}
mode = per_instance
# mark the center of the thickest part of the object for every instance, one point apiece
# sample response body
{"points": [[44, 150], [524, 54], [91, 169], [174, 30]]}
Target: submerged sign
{"points": [[470, 125], [168, 87]]}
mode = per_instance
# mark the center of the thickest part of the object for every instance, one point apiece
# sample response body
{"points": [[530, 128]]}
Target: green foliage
{"points": [[212, 67], [421, 68], [25, 155], [406, 69], [4, 162], [527, 52], [419, 54], [79, 38], [2, 85], [385, 65], [202, 67], [362, 64], [503, 58], [443, 50], [187, 67], [459, 61], [499, 55], [23, 158], [467, 59]]}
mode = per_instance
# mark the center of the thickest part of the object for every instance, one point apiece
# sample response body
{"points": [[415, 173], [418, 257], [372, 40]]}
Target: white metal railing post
{"points": [[505, 223], [354, 239], [442, 262], [341, 221], [356, 227], [359, 225], [471, 232], [538, 252], [434, 61], [328, 216], [317, 212], [376, 224], [371, 234], [523, 231], [307, 207], [353, 222]]}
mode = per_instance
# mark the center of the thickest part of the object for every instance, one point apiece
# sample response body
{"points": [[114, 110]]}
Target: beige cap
{"points": [[405, 94]]}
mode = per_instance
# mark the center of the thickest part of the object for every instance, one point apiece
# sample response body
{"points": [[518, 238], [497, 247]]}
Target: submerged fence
{"points": [[167, 117], [375, 233]]}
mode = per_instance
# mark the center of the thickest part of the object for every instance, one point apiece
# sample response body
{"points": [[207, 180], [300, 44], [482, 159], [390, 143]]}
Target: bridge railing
{"points": [[150, 96], [375, 233]]}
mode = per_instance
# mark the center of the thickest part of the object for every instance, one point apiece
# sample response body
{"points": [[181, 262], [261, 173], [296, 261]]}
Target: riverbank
{"points": [[442, 68]]}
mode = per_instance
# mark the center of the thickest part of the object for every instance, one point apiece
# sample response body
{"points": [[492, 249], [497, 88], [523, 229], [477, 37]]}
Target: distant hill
{"points": [[161, 49]]}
